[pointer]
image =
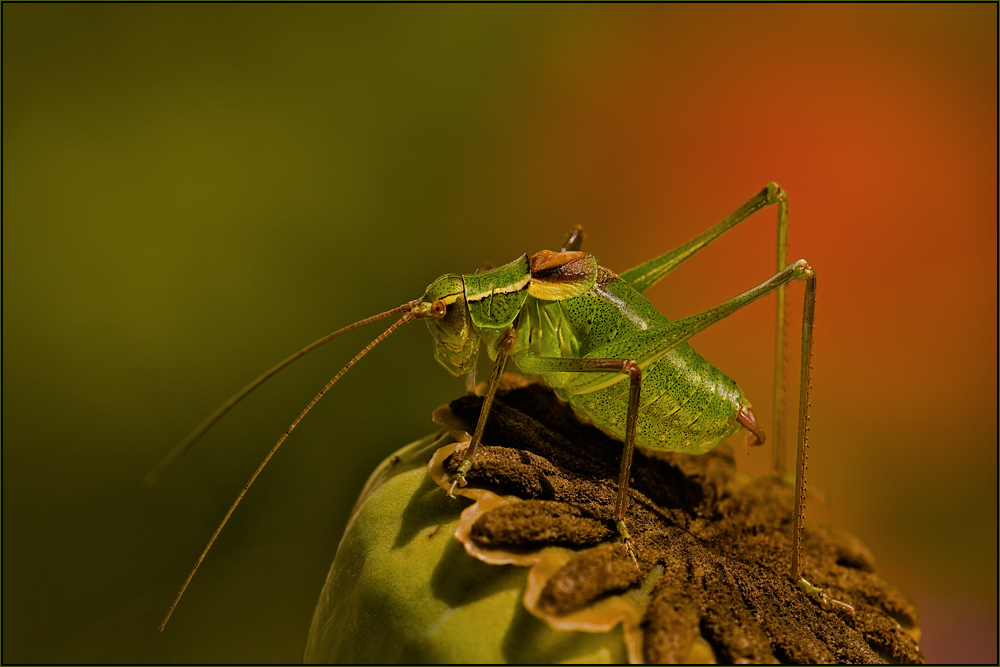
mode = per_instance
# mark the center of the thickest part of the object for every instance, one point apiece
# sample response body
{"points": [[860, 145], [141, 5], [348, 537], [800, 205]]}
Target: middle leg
{"points": [[588, 365]]}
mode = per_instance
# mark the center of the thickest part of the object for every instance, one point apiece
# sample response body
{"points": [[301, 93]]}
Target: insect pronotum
{"points": [[601, 345]]}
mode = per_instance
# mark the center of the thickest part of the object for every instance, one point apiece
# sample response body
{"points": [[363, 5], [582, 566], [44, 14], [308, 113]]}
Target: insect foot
{"points": [[825, 601], [709, 582], [628, 547], [459, 477]]}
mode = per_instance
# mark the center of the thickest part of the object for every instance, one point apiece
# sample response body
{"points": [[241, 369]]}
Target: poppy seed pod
{"points": [[532, 570]]}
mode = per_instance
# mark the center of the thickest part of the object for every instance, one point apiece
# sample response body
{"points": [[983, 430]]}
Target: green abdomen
{"points": [[686, 404]]}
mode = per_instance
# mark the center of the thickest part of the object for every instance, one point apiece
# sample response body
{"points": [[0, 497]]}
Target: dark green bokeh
{"points": [[192, 192]]}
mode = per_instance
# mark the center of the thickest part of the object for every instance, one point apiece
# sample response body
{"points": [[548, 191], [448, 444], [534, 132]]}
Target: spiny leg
{"points": [[780, 324], [649, 273], [503, 351], [631, 368], [805, 385], [621, 502]]}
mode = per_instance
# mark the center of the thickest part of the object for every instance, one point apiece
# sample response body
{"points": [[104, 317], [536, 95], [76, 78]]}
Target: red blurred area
{"points": [[880, 122], [886, 154]]}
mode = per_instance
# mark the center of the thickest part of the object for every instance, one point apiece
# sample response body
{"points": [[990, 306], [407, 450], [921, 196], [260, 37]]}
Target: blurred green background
{"points": [[192, 192]]}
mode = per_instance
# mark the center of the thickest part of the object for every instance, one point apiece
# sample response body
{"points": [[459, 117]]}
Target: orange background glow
{"points": [[192, 192]]}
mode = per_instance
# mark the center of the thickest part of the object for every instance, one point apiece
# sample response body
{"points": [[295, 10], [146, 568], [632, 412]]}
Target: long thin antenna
{"points": [[407, 317], [171, 458]]}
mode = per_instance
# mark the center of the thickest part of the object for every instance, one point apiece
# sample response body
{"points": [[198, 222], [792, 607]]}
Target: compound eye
{"points": [[438, 309]]}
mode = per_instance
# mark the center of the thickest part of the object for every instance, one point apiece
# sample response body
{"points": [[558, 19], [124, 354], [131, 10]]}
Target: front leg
{"points": [[503, 351]]}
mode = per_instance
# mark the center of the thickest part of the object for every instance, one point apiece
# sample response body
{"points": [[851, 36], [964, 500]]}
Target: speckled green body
{"points": [[686, 403]]}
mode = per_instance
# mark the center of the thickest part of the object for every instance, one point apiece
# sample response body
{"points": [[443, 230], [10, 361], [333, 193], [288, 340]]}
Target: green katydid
{"points": [[600, 344]]}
